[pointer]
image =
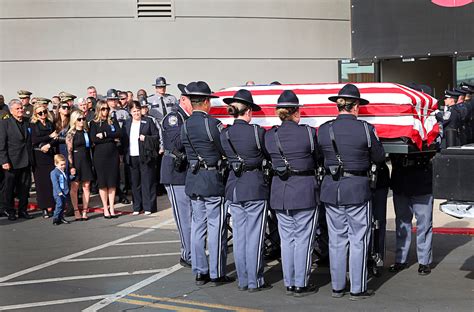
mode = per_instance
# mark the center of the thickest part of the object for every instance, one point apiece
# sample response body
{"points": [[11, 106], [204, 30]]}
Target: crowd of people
{"points": [[209, 170]]}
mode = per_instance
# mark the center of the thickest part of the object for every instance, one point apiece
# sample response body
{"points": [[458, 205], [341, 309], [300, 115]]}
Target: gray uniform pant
{"points": [[349, 226], [248, 225], [209, 217], [422, 207], [182, 211], [297, 230]]}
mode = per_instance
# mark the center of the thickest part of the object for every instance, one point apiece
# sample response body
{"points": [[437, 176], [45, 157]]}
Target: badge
{"points": [[172, 120]]}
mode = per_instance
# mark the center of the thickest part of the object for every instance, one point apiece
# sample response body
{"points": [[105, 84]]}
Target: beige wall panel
{"points": [[66, 8], [325, 9], [55, 39], [48, 78]]}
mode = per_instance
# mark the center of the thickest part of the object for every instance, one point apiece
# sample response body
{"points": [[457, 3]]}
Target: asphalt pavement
{"points": [[132, 263]]}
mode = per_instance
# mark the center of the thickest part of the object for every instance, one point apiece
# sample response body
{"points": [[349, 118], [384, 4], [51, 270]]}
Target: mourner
{"points": [[16, 159], [173, 172], [247, 191], [140, 138], [294, 193], [205, 186], [105, 133], [349, 146]]}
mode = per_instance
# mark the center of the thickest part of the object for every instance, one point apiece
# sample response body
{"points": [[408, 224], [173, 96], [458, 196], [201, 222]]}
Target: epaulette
{"points": [[6, 116]]}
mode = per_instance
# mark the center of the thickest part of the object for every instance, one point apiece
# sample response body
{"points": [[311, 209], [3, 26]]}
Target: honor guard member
{"points": [[412, 196], [67, 98], [468, 101], [205, 186], [173, 172], [294, 193], [450, 119], [349, 146], [16, 159], [24, 97], [247, 192], [465, 113], [161, 102]]}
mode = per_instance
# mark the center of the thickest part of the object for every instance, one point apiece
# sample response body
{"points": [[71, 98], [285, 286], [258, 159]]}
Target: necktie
{"points": [[163, 107]]}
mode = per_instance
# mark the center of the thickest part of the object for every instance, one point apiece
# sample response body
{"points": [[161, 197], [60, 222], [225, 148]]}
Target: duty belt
{"points": [[351, 173], [250, 168], [311, 172], [202, 166], [169, 153]]}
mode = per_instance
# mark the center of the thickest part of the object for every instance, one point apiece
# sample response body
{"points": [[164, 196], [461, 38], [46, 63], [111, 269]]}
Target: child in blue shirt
{"points": [[60, 182]]}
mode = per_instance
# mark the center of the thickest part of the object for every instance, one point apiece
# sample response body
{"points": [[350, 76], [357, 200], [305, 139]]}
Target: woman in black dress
{"points": [[80, 162], [104, 133], [43, 139]]}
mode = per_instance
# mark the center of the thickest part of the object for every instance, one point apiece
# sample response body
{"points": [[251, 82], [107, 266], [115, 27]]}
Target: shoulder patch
{"points": [[172, 120]]}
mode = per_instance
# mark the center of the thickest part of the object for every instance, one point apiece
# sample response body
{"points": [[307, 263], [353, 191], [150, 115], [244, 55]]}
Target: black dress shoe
{"points": [[424, 269], [303, 291], [124, 201], [184, 263], [290, 290], [397, 267], [261, 288], [221, 280], [115, 216], [12, 217], [56, 222], [45, 214], [64, 221], [107, 217], [243, 288], [362, 295], [25, 215], [202, 279], [274, 254]]}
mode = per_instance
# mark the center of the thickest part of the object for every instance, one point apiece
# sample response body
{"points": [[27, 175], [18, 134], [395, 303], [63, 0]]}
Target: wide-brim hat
{"points": [[461, 90], [469, 88], [245, 97], [160, 82], [288, 98], [182, 88], [199, 88], [23, 94], [112, 94], [42, 100], [349, 91]]}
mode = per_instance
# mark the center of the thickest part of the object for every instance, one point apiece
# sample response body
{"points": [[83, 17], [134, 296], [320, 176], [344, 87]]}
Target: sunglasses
{"points": [[81, 119], [43, 112], [105, 109], [55, 107], [65, 107], [123, 99]]}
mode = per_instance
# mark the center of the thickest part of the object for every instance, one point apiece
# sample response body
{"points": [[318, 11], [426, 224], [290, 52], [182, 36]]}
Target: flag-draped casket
{"points": [[395, 110]]}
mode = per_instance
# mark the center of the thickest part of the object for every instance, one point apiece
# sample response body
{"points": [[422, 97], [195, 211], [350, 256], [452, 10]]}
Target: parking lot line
{"points": [[124, 257], [125, 292], [146, 243], [52, 302], [79, 277], [160, 306], [190, 303], [83, 252]]}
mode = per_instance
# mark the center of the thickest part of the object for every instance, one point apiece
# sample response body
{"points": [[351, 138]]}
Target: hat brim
{"points": [[361, 100], [252, 105], [202, 95], [182, 88], [160, 85], [288, 104], [112, 98]]}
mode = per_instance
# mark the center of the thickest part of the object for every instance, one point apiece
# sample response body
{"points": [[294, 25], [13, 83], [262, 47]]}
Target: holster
{"points": [[373, 177], [267, 171], [283, 172], [238, 168], [180, 161], [336, 171], [194, 165]]}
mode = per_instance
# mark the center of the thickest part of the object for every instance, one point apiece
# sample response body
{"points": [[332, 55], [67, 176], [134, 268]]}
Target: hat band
{"points": [[289, 103], [196, 93]]}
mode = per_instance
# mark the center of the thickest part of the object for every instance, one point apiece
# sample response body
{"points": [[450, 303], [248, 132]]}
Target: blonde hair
{"points": [[98, 108], [286, 113], [72, 122], [346, 104], [35, 118], [59, 158]]}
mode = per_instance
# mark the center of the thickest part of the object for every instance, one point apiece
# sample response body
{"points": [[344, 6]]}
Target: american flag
{"points": [[395, 110]]}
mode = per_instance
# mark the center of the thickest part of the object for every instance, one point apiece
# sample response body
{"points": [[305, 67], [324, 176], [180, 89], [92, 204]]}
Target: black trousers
{"points": [[17, 183], [143, 184]]}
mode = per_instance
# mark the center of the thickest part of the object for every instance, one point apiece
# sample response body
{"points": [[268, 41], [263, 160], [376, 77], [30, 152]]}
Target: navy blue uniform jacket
{"points": [[352, 143], [204, 183], [301, 150], [171, 125], [250, 185]]}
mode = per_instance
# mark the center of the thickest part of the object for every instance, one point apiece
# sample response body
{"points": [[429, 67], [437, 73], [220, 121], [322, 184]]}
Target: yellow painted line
{"points": [[196, 303], [158, 305]]}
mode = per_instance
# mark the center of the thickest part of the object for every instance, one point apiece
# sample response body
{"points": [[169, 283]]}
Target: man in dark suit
{"points": [[16, 160]]}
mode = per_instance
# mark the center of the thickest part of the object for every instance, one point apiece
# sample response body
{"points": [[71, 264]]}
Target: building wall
{"points": [[53, 45]]}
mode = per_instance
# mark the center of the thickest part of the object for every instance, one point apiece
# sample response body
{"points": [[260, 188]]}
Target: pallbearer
{"points": [[246, 191]]}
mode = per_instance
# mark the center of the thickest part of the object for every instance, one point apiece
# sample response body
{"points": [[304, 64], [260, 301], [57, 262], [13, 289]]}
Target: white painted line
{"points": [[83, 252], [148, 243], [124, 257], [52, 302], [118, 295], [79, 277]]}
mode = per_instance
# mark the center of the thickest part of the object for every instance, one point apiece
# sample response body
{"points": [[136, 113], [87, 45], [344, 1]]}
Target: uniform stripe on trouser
{"points": [[222, 223], [366, 245], [260, 243], [174, 204], [310, 246]]}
